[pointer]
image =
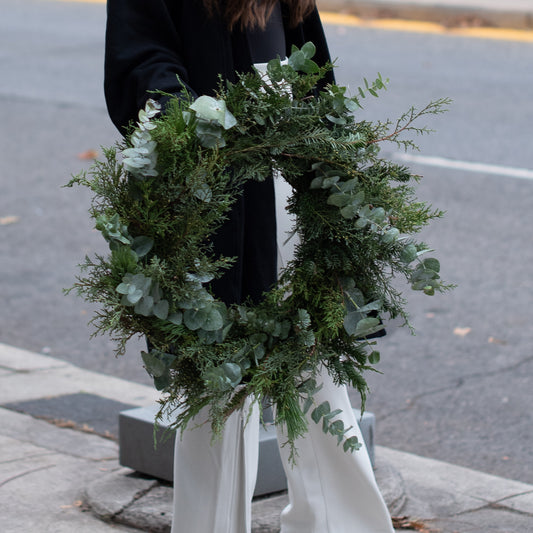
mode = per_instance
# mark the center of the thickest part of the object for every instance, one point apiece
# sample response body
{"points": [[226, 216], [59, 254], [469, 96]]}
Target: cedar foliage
{"points": [[160, 196]]}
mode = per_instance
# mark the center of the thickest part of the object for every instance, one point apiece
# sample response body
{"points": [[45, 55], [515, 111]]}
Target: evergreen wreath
{"points": [[161, 195]]}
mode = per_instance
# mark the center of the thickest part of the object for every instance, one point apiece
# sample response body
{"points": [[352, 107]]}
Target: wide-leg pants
{"points": [[330, 491]]}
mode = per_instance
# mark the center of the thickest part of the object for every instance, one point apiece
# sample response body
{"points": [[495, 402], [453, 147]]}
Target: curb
{"points": [[131, 499], [448, 16]]}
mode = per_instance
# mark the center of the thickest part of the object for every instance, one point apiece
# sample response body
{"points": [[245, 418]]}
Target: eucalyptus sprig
{"points": [[161, 195]]}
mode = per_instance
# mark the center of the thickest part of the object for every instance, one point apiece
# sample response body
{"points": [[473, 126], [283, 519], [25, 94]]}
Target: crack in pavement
{"points": [[491, 505], [458, 382], [22, 474], [26, 457], [136, 497]]}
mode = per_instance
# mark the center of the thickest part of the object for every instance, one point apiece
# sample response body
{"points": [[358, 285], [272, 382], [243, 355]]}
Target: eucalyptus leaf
{"points": [[125, 300], [409, 253], [142, 245], [210, 337], [307, 338], [211, 109], [352, 104], [351, 320], [391, 235], [336, 120], [162, 382], [316, 183], [353, 299], [350, 185], [154, 365], [332, 414], [376, 305], [259, 352], [339, 199], [318, 412], [213, 319], [304, 319], [145, 306], [176, 318], [349, 211], [297, 60], [377, 215], [161, 309], [308, 403], [232, 372], [431, 264], [361, 222], [368, 326], [336, 428], [330, 182], [352, 444], [133, 296], [274, 70], [308, 50], [124, 288], [374, 357], [203, 193], [194, 318]]}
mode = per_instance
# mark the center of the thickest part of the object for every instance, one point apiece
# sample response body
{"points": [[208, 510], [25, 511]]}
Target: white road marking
{"points": [[482, 168]]}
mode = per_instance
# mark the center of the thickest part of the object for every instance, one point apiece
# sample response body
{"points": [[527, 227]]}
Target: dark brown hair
{"points": [[252, 13]]}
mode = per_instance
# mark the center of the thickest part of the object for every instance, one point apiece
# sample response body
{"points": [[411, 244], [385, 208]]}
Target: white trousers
{"points": [[330, 491]]}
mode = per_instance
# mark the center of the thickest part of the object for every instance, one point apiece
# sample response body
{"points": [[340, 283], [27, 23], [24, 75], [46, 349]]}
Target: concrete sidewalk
{"points": [[516, 14], [59, 469]]}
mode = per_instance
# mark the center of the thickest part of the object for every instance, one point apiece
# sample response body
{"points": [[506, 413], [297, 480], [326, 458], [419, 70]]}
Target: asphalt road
{"points": [[461, 389]]}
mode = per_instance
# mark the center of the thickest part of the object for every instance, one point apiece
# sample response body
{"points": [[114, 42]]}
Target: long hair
{"points": [[255, 13]]}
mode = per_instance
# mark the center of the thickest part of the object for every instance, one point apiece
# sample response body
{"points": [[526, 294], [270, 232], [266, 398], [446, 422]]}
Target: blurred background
{"points": [[461, 389]]}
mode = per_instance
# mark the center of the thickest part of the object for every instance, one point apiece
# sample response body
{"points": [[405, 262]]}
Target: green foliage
{"points": [[160, 196]]}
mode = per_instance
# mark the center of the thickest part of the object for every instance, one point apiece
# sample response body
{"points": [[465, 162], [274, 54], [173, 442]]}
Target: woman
{"points": [[149, 44]]}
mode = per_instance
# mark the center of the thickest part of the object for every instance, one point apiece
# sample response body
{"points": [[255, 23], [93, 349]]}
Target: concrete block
{"points": [[137, 451]]}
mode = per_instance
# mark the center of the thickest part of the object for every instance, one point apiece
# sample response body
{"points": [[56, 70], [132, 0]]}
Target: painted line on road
{"points": [[414, 26], [467, 166]]}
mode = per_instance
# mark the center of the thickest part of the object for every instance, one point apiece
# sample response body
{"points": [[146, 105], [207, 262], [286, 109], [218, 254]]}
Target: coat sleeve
{"points": [[141, 55]]}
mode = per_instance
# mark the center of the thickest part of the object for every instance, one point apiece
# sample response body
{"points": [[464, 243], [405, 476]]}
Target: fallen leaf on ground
{"points": [[88, 154], [462, 332], [77, 503], [11, 219], [404, 522]]}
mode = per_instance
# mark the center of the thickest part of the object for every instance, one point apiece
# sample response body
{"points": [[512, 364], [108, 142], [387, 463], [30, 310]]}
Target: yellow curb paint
{"points": [[389, 24], [503, 34], [83, 1], [415, 26]]}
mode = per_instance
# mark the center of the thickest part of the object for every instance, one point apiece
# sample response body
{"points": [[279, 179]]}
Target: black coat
{"points": [[149, 42]]}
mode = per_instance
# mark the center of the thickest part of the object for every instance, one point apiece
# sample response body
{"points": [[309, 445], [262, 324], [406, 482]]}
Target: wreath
{"points": [[162, 193]]}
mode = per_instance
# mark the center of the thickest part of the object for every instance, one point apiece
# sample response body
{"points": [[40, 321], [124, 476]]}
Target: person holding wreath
{"points": [[169, 45]]}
